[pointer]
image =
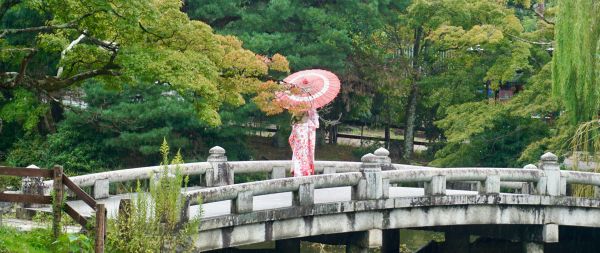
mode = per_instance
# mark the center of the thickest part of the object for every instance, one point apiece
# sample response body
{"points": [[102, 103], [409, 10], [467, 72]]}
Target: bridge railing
{"points": [[373, 183], [217, 171]]}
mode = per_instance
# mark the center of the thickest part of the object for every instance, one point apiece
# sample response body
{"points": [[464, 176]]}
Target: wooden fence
{"points": [[57, 200]]}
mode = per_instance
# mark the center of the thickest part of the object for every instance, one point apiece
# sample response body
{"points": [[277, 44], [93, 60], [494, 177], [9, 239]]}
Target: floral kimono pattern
{"points": [[302, 140]]}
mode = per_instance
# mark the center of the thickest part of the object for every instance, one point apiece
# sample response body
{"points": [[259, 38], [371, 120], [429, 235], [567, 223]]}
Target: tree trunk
{"points": [[409, 126], [362, 130], [388, 121], [387, 136], [411, 106]]}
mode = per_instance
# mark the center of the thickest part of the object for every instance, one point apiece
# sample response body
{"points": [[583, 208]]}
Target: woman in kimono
{"points": [[302, 140]]}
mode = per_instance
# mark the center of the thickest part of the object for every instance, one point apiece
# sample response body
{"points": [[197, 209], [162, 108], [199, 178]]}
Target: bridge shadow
{"points": [[460, 239]]}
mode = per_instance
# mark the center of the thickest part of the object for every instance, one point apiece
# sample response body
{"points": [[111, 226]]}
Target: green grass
{"points": [[35, 241]]}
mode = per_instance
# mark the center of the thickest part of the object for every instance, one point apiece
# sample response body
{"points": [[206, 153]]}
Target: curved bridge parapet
{"points": [[373, 199]]}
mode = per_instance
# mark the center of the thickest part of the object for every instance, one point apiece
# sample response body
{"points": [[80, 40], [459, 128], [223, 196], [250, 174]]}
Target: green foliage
{"points": [[22, 107], [503, 134], [35, 241], [73, 243], [576, 63], [154, 223], [121, 42], [133, 121], [316, 34], [500, 145]]}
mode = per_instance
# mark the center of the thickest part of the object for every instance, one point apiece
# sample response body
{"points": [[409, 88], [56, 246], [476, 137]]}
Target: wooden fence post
{"points": [[100, 228], [57, 202]]}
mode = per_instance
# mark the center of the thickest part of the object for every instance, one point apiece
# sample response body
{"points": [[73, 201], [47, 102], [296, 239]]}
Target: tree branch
{"points": [[112, 46], [38, 29], [529, 41], [68, 48], [69, 25], [23, 67], [149, 32], [87, 75], [539, 11]]}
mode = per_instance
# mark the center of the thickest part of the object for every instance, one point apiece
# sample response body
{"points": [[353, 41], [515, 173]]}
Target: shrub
{"points": [[153, 223]]}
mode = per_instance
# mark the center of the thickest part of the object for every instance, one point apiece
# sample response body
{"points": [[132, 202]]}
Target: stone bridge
{"points": [[364, 204]]}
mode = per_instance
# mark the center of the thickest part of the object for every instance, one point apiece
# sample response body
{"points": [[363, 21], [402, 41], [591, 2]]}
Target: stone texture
{"points": [[329, 170], [101, 188], [437, 186], [278, 172], [305, 196], [550, 233], [243, 203], [491, 185]]}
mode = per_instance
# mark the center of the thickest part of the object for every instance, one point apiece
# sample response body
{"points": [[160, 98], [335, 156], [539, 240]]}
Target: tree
{"points": [[576, 73], [316, 34], [427, 61], [503, 134], [110, 128], [117, 42], [576, 65]]}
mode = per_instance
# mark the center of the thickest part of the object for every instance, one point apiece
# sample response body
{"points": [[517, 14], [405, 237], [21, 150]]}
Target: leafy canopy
{"points": [[126, 41]]}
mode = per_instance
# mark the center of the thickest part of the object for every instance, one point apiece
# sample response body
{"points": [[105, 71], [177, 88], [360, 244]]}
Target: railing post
{"points": [[101, 187], [100, 228], [552, 172], [371, 185], [57, 201], [528, 188], [184, 215], [242, 203], [221, 172], [305, 196], [30, 185], [437, 186], [329, 170], [491, 185], [383, 158], [277, 172]]}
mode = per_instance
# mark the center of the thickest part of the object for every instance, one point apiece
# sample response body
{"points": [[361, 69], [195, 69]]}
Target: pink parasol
{"points": [[314, 89]]}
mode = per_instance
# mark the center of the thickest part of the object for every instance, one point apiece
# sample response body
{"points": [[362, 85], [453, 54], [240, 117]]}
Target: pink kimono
{"points": [[302, 140]]}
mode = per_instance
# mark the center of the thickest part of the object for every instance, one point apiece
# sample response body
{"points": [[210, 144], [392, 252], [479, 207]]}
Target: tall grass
{"points": [[153, 223]]}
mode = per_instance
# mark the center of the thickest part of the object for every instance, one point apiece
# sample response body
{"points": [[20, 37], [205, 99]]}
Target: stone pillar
{"points": [[101, 187], [390, 241], [221, 172], [553, 186], [528, 188], [436, 187], [550, 233], [370, 186], [277, 172], [491, 185], [243, 203], [33, 186], [361, 242], [287, 246], [304, 196], [383, 158], [533, 247]]}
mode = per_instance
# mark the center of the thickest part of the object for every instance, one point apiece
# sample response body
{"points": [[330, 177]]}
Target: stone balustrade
{"points": [[218, 171], [372, 183]]}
